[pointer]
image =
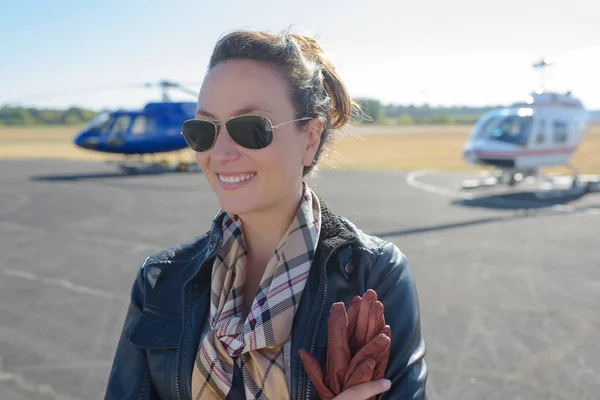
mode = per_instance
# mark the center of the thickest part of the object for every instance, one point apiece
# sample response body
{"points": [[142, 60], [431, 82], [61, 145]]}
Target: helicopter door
{"points": [[118, 130], [540, 135]]}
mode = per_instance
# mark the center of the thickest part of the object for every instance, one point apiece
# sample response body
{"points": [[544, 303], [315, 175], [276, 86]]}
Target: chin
{"points": [[238, 205]]}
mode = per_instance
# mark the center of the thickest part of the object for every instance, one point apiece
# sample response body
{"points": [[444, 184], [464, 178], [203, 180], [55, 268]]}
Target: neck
{"points": [[263, 230]]}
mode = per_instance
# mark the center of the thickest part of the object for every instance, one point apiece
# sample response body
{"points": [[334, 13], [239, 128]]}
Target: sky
{"points": [[98, 54]]}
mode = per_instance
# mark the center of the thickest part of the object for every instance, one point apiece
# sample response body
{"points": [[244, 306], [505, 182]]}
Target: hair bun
{"points": [[340, 105]]}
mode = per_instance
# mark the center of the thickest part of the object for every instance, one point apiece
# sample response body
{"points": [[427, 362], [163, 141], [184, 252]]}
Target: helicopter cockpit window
{"points": [[99, 124], [511, 129], [485, 127], [560, 132], [143, 125], [121, 124]]}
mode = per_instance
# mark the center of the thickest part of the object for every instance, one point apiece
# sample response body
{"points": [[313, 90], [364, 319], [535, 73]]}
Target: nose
{"points": [[224, 149]]}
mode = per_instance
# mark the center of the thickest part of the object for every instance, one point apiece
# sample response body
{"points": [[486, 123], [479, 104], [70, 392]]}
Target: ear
{"points": [[314, 129]]}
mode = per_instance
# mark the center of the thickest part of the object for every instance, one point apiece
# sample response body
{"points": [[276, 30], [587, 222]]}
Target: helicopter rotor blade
{"points": [[188, 91], [51, 95], [165, 85]]}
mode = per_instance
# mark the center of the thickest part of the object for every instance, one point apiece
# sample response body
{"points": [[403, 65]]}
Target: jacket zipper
{"points": [[323, 300], [177, 361]]}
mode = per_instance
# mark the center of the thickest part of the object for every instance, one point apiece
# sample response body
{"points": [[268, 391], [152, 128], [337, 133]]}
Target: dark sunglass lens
{"points": [[199, 135], [250, 131]]}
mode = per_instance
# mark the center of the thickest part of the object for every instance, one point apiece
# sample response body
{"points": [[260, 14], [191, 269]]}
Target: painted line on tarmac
{"points": [[65, 367], [136, 247], [63, 284], [29, 386], [412, 180], [563, 208]]}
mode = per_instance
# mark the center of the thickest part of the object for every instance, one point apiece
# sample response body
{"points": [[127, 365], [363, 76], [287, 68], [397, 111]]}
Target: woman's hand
{"points": [[364, 391]]}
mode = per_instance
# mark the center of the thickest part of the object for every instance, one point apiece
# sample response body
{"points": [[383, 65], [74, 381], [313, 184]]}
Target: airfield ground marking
{"points": [[65, 367], [32, 387], [63, 284], [93, 239], [592, 212], [412, 180]]}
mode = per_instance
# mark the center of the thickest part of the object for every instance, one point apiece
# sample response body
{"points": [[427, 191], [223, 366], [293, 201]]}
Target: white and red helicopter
{"points": [[518, 140]]}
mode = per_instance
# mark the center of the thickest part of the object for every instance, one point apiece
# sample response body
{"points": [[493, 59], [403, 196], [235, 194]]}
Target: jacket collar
{"points": [[333, 232]]}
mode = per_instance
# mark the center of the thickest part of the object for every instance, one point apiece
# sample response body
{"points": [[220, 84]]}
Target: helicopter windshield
{"points": [[99, 124], [513, 129]]}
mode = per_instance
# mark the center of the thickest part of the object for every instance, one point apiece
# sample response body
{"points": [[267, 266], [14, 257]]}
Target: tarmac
{"points": [[508, 282]]}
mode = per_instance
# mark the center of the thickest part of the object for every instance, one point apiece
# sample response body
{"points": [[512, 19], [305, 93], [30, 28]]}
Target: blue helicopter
{"points": [[154, 129]]}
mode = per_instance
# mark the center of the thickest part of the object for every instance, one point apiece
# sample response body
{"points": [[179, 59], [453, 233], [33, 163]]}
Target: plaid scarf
{"points": [[255, 341]]}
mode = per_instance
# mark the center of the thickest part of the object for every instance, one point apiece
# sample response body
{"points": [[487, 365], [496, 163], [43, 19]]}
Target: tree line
{"points": [[27, 116], [373, 112]]}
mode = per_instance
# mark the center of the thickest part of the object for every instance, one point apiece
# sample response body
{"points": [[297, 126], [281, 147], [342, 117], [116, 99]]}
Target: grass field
{"points": [[377, 147]]}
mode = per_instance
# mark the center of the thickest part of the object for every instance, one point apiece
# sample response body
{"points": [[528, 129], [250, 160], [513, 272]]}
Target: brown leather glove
{"points": [[357, 350], [365, 318]]}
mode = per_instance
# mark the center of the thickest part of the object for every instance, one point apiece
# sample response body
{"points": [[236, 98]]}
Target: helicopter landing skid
{"points": [[156, 167], [488, 181], [495, 178], [554, 193], [561, 186]]}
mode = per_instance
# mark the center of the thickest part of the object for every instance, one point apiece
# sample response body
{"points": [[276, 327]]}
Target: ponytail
{"points": [[340, 106]]}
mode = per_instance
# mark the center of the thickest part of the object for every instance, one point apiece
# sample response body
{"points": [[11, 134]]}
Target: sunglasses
{"points": [[249, 131]]}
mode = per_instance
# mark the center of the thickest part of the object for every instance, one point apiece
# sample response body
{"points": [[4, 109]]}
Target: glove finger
{"points": [[376, 321], [353, 314], [382, 363], [362, 320], [375, 349], [361, 372], [338, 350], [315, 374]]}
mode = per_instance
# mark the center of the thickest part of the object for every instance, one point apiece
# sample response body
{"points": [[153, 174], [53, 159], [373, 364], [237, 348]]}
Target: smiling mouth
{"points": [[235, 178]]}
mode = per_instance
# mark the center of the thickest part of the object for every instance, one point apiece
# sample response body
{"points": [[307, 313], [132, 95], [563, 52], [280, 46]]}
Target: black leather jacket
{"points": [[170, 302]]}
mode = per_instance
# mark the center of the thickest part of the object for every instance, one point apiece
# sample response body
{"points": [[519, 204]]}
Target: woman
{"points": [[228, 314]]}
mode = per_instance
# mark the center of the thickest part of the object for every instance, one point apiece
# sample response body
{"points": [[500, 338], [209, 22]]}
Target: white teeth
{"points": [[235, 179]]}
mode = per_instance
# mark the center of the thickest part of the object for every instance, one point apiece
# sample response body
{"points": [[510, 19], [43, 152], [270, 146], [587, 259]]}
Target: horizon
{"points": [[459, 54]]}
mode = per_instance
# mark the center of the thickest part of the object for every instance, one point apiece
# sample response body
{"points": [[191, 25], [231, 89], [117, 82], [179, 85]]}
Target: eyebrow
{"points": [[242, 111], [205, 113]]}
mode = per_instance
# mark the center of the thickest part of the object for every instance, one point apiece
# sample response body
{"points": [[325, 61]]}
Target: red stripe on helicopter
{"points": [[510, 154], [538, 105]]}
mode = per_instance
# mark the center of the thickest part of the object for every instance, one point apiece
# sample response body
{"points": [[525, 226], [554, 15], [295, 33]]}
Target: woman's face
{"points": [[271, 177]]}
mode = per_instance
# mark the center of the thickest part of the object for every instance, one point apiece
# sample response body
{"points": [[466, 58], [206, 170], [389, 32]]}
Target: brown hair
{"points": [[316, 89]]}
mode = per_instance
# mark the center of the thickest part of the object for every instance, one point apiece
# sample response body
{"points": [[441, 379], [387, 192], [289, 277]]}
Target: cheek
{"points": [[201, 159], [283, 161]]}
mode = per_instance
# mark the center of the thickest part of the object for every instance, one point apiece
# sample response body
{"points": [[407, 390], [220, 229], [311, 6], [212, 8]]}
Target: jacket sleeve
{"points": [[393, 282], [130, 377]]}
